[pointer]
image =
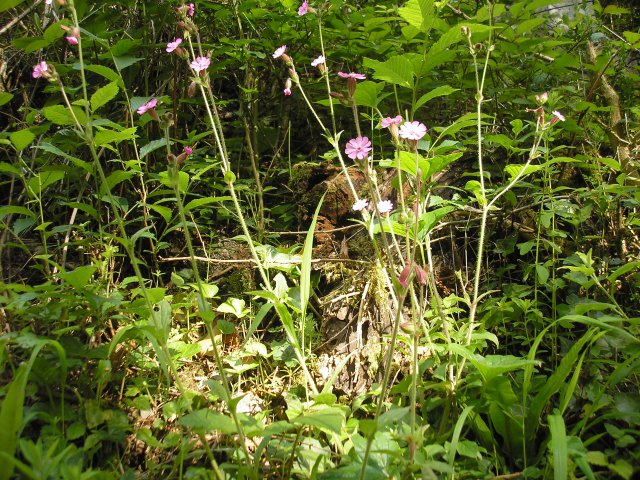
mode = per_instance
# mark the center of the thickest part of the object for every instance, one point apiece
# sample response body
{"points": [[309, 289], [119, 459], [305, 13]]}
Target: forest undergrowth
{"points": [[319, 240]]}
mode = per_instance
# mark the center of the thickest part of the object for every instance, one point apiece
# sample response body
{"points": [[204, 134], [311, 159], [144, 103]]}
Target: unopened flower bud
{"points": [[465, 30], [191, 91], [542, 98]]}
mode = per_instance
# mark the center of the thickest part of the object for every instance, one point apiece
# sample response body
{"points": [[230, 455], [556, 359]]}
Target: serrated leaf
{"points": [[60, 115], [418, 13], [397, 70], [104, 137], [104, 95], [22, 139]]}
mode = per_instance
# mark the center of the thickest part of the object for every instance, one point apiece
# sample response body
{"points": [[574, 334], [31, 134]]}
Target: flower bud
{"points": [[191, 90]]}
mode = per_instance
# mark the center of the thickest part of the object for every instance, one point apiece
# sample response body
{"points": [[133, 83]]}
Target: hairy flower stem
{"points": [[383, 386], [229, 178]]}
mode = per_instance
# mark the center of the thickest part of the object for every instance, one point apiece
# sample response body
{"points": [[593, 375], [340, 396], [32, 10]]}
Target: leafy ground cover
{"points": [[324, 240]]}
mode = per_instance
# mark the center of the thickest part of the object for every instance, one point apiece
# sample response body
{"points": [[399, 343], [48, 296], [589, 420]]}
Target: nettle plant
{"points": [[456, 408]]}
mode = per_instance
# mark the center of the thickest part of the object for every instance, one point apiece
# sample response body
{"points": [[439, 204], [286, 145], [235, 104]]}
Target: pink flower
{"points": [[287, 87], [413, 130], [384, 206], [542, 98], [318, 61], [200, 64], [145, 107], [388, 121], [41, 70], [557, 116], [188, 150], [171, 46], [355, 76], [358, 147], [360, 205], [191, 10], [279, 51], [72, 40], [48, 2], [304, 8]]}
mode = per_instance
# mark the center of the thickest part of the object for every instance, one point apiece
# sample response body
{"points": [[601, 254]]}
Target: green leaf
{"points": [[183, 180], [419, 13], [60, 115], [118, 177], [327, 419], [79, 277], [104, 95], [5, 97], [125, 61], [104, 137], [106, 72], [22, 139], [615, 10], [442, 91], [39, 182], [15, 210], [559, 447], [47, 147], [397, 70], [206, 420], [199, 202], [151, 146], [234, 306], [9, 4], [367, 94], [542, 274], [305, 268]]}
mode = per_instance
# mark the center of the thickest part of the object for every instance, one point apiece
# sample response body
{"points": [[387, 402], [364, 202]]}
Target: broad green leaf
{"points": [[104, 95], [8, 168], [615, 10], [104, 137], [183, 180], [367, 94], [22, 139], [118, 177], [234, 306], [106, 72], [5, 97], [60, 115], [327, 419], [47, 147], [8, 4], [79, 277], [39, 182], [15, 210], [206, 420], [165, 212], [397, 70], [125, 61], [442, 91], [542, 273], [151, 146], [418, 13], [519, 170], [160, 322]]}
